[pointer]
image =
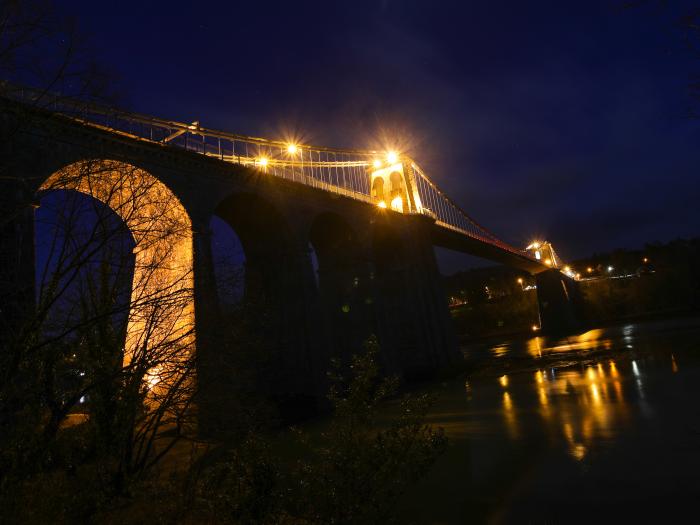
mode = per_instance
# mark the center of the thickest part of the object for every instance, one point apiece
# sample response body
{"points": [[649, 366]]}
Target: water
{"points": [[600, 427]]}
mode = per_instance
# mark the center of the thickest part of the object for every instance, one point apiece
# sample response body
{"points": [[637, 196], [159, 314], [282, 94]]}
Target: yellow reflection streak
{"points": [[509, 415], [613, 369]]}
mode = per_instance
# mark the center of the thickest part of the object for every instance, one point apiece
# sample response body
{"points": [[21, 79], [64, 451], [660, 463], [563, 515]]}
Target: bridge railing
{"points": [[342, 171], [450, 215]]}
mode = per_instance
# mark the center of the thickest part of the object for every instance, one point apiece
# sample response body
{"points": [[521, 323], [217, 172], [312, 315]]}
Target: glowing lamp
{"points": [[377, 163], [292, 149], [548, 262], [382, 204], [262, 161], [392, 157], [397, 204]]}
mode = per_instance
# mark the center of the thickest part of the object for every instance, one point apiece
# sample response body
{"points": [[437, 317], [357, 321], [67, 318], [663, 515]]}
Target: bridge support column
{"points": [[414, 326], [297, 366], [211, 372], [560, 303], [260, 354]]}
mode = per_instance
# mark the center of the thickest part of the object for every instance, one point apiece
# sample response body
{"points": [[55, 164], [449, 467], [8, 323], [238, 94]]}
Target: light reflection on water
{"points": [[578, 404], [540, 345], [555, 433]]}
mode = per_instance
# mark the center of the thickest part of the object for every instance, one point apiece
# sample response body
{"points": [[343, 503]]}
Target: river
{"points": [[599, 427]]}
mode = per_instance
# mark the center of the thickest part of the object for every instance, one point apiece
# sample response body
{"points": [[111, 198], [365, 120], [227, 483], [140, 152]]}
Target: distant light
{"points": [[392, 157], [538, 255], [262, 161], [548, 262], [534, 245], [578, 275], [377, 163], [520, 280], [503, 380], [567, 269], [645, 260], [292, 149], [397, 203], [382, 204], [635, 368], [535, 328], [610, 268], [589, 269]]}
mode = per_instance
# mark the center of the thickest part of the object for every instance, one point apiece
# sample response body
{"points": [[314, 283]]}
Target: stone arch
{"points": [[161, 312], [266, 241], [344, 286], [266, 334]]}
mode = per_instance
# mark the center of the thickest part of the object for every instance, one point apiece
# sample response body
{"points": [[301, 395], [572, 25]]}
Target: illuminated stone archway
{"points": [[161, 314]]}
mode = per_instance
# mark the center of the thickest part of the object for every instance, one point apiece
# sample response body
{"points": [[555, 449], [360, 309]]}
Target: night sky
{"points": [[558, 120]]}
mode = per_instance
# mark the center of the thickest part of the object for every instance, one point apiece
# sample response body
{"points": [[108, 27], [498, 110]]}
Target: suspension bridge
{"points": [[370, 219]]}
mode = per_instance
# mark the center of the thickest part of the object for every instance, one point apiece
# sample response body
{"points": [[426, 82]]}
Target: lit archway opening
{"points": [[160, 326]]}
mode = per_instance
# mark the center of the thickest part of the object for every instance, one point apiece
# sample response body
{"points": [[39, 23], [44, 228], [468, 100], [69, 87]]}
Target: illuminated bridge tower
{"points": [[394, 186], [412, 318], [558, 295]]}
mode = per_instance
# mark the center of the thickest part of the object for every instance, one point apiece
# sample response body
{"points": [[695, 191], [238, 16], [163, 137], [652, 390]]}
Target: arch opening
{"points": [[262, 333], [159, 332], [343, 283], [229, 260], [254, 243]]}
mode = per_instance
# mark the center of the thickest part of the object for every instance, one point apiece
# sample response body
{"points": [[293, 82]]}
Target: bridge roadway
{"points": [[377, 271]]}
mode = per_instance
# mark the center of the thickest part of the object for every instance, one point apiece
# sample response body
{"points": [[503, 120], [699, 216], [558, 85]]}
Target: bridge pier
{"points": [[262, 353], [560, 302], [414, 327]]}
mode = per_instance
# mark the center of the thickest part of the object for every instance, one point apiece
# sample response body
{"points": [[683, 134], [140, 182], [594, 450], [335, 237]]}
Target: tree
{"points": [[117, 350], [370, 452]]}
